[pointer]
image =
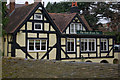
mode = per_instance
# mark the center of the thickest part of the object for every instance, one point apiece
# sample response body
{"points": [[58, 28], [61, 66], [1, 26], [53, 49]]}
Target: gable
{"points": [[42, 19], [63, 20], [15, 25], [18, 16], [77, 23]]}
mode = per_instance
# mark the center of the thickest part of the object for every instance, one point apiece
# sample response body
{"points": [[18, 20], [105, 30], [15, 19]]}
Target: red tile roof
{"points": [[18, 16], [63, 19]]}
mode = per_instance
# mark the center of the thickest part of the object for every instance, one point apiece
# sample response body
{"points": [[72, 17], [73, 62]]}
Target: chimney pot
{"points": [[74, 4], [26, 3]]}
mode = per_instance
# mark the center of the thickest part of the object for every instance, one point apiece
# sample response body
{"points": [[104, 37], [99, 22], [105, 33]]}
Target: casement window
{"points": [[70, 45], [74, 27], [37, 26], [37, 16], [37, 45], [88, 45], [104, 44]]}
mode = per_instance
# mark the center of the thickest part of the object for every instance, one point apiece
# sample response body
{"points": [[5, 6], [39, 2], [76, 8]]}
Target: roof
{"points": [[16, 5], [18, 16], [63, 19], [85, 22]]}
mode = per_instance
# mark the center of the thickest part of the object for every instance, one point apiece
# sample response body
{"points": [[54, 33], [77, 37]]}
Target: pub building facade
{"points": [[33, 33]]}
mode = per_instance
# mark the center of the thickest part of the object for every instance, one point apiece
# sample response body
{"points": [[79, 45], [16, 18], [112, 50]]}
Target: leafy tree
{"points": [[4, 16]]}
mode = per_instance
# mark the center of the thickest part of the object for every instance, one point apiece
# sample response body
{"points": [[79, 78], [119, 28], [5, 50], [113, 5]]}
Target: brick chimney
{"points": [[74, 8], [74, 4], [26, 3], [12, 5]]}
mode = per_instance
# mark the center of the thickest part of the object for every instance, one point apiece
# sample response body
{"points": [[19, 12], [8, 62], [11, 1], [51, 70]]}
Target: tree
{"points": [[4, 17]]}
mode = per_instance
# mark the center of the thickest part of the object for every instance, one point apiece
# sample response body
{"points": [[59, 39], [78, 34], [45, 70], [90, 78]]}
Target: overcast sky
{"points": [[31, 1]]}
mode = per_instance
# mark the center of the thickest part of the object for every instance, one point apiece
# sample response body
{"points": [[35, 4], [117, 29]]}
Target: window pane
{"points": [[101, 46], [82, 46], [38, 26], [72, 28], [105, 46], [43, 44], [38, 16], [76, 27], [93, 46], [31, 44], [85, 46], [37, 44], [80, 27], [72, 46], [90, 46], [68, 46]]}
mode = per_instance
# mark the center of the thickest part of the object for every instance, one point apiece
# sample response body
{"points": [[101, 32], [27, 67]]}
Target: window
{"points": [[43, 44], [70, 45], [37, 45], [88, 45], [37, 16], [104, 45], [37, 26], [74, 27]]}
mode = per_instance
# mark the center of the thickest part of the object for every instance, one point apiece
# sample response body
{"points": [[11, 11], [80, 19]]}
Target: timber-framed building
{"points": [[33, 33]]}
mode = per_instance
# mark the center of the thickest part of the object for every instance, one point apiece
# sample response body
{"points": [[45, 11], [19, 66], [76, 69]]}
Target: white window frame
{"points": [[88, 50], [35, 18], [40, 24], [106, 40], [34, 46], [74, 45], [79, 27]]}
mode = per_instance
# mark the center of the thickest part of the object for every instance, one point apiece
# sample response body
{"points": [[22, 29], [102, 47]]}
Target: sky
{"points": [[32, 1]]}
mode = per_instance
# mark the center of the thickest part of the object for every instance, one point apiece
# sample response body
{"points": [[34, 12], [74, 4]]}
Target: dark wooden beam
{"points": [[58, 53], [48, 51]]}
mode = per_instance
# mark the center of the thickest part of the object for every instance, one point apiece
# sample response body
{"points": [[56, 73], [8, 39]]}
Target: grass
{"points": [[21, 68]]}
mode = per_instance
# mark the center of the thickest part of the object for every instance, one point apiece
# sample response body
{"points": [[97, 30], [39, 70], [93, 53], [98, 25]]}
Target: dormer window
{"points": [[37, 26], [37, 16], [74, 27]]}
